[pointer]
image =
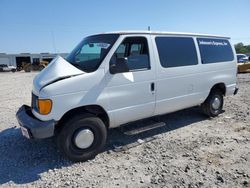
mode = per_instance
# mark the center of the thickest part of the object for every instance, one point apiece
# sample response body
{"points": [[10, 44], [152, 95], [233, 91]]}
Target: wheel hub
{"points": [[84, 138], [216, 103]]}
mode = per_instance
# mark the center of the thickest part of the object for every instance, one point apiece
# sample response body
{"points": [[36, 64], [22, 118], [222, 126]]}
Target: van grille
{"points": [[34, 100]]}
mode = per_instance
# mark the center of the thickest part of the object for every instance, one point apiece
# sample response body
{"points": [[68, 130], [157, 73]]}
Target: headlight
{"points": [[44, 106]]}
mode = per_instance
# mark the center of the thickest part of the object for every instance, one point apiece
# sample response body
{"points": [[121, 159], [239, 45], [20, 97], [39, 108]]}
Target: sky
{"points": [[57, 26]]}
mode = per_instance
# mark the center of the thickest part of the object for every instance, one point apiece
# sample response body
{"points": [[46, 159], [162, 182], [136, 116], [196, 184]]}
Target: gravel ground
{"points": [[189, 151]]}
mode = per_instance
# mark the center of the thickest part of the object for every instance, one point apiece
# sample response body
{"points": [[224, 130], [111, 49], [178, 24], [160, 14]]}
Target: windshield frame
{"points": [[104, 38]]}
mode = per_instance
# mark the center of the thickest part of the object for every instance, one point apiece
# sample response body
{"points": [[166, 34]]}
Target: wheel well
{"points": [[219, 86], [93, 109]]}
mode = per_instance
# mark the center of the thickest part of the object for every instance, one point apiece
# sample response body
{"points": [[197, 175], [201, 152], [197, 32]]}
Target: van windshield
{"points": [[89, 54]]}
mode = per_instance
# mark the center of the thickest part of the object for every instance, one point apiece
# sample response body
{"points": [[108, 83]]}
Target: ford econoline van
{"points": [[115, 78]]}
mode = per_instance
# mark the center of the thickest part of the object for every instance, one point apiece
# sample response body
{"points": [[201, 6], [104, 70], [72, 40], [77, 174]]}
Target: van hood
{"points": [[58, 69]]}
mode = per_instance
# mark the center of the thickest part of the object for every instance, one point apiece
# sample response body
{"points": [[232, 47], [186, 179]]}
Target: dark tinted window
{"points": [[135, 51], [215, 50], [176, 51]]}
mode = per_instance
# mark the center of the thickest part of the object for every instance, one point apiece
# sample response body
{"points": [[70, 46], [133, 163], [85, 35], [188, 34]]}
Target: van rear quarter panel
{"points": [[220, 72], [183, 87]]}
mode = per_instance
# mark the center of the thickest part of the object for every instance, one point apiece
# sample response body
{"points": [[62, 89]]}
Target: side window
{"points": [[176, 51], [215, 50], [135, 52]]}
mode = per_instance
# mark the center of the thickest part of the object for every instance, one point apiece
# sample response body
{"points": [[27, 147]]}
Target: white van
{"points": [[114, 78]]}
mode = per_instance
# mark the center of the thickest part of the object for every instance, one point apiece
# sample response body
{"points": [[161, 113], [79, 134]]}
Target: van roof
{"points": [[164, 33]]}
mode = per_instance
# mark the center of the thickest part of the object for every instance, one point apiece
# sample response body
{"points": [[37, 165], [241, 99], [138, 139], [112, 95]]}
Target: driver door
{"points": [[132, 94]]}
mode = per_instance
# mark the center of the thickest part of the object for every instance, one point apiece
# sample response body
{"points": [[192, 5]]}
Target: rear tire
{"points": [[82, 137], [213, 105]]}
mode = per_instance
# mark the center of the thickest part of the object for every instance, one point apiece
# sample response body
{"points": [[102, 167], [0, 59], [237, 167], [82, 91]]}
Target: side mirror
{"points": [[118, 65]]}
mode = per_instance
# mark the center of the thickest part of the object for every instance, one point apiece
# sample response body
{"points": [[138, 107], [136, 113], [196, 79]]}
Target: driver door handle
{"points": [[152, 87]]}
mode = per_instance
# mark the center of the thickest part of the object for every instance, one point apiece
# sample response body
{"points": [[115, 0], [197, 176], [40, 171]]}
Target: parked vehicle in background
{"points": [[115, 78], [7, 68], [243, 63], [244, 67], [242, 58], [35, 66]]}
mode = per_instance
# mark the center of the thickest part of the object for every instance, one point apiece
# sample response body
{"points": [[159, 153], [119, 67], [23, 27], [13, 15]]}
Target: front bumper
{"points": [[34, 127]]}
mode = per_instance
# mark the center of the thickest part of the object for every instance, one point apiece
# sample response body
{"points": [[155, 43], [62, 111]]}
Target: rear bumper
{"points": [[35, 128]]}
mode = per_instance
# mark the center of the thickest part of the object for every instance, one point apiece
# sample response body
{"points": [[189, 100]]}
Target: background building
{"points": [[18, 59]]}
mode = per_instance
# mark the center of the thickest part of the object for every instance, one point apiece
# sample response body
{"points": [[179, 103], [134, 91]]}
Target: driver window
{"points": [[135, 51]]}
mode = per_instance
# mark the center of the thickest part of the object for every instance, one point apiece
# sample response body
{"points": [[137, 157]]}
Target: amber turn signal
{"points": [[44, 106]]}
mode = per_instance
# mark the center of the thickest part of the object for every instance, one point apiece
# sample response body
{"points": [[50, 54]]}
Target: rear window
{"points": [[176, 51], [215, 50]]}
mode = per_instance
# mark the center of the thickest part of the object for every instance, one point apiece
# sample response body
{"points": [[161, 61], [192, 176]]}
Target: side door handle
{"points": [[152, 86]]}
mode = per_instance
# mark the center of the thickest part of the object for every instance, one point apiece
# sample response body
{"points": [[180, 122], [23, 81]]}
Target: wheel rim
{"points": [[84, 138], [216, 103]]}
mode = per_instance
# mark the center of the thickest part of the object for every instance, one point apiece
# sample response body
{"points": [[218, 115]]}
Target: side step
{"points": [[132, 145], [132, 130], [132, 133]]}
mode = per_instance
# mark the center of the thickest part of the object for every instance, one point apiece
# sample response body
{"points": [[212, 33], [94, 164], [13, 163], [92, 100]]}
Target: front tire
{"points": [[213, 105], [82, 137]]}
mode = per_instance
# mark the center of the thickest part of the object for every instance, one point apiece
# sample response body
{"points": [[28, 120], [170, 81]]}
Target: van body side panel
{"points": [[186, 86], [178, 90], [220, 72], [230, 88], [177, 87], [128, 96]]}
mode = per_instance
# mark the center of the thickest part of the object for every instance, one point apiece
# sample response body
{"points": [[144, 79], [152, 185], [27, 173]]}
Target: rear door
{"points": [[132, 94]]}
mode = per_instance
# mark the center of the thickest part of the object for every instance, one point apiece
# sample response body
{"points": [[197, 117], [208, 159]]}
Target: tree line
{"points": [[242, 49]]}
